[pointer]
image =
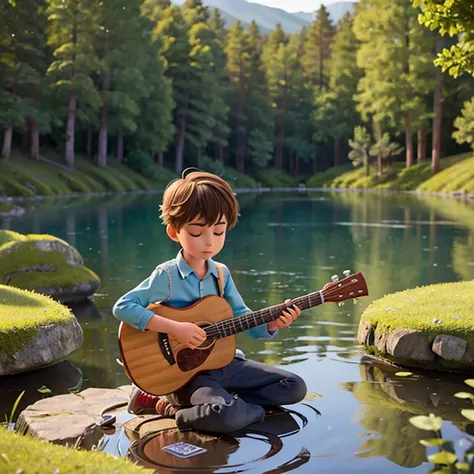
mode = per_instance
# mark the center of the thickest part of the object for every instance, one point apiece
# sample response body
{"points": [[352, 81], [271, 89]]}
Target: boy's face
{"points": [[199, 239]]}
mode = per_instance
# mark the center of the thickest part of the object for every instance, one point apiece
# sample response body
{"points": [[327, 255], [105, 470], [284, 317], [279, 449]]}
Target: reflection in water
{"points": [[389, 401], [60, 378], [284, 246]]}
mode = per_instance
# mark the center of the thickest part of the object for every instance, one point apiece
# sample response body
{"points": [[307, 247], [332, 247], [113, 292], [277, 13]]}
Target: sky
{"points": [[294, 5]]}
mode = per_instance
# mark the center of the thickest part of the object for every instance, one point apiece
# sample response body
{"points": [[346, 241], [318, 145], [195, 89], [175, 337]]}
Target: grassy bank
{"points": [[24, 454], [21, 177], [456, 176]]}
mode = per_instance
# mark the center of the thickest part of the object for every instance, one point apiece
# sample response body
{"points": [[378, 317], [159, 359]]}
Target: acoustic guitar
{"points": [[159, 364]]}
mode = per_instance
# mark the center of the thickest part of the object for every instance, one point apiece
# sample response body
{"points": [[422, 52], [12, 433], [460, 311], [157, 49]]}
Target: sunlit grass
{"points": [[445, 308], [27, 455]]}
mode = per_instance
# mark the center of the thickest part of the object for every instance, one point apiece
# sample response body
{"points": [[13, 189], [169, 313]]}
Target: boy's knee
{"points": [[295, 389]]}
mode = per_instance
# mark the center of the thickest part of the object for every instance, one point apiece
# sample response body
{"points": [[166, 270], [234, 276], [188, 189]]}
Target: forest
{"points": [[152, 84]]}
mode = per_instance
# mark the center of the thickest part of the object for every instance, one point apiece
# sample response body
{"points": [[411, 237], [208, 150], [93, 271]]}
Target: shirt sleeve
{"points": [[239, 307], [131, 307]]}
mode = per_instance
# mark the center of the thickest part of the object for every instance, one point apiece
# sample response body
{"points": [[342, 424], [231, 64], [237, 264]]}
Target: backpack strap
{"points": [[220, 278]]}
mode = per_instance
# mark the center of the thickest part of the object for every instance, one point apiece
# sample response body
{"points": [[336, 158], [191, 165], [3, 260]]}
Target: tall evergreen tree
{"points": [[335, 113], [394, 55], [72, 25], [317, 50]]}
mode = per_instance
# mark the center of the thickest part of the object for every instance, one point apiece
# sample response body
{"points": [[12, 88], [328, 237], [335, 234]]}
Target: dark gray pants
{"points": [[228, 399]]}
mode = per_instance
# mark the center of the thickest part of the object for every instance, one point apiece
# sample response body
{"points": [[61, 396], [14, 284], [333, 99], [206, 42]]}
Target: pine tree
{"points": [[22, 66], [395, 57], [335, 113], [72, 25], [317, 49]]}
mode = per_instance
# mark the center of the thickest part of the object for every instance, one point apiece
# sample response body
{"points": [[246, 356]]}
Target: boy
{"points": [[198, 210]]}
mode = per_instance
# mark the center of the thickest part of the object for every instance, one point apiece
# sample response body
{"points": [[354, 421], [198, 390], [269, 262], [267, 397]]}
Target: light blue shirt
{"points": [[176, 284]]}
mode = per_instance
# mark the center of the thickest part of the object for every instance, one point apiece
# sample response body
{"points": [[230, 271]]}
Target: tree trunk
{"points": [[337, 151], [180, 145], [34, 142], [70, 127], [103, 125], [160, 158], [7, 141], [409, 141], [120, 146], [438, 114], [220, 152], [89, 143], [297, 165], [25, 142], [421, 155], [379, 164], [240, 153], [367, 166], [315, 166]]}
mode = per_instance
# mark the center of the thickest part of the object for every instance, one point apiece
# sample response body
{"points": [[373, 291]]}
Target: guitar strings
{"points": [[220, 327], [216, 329]]}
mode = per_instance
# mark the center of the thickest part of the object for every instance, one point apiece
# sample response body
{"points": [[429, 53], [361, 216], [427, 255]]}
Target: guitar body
{"points": [[158, 364]]}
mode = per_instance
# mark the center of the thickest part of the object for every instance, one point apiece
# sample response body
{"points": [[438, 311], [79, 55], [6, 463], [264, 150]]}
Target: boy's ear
{"points": [[172, 232]]}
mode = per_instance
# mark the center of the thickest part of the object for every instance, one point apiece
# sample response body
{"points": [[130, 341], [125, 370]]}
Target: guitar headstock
{"points": [[352, 286]]}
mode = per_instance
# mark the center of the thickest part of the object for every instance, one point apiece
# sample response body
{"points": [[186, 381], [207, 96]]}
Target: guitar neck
{"points": [[234, 325]]}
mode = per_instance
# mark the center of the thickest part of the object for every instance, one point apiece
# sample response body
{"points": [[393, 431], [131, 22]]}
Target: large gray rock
{"points": [[51, 343], [449, 347], [71, 419], [408, 344], [365, 334]]}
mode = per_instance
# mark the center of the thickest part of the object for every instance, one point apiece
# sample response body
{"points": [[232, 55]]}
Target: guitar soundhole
{"points": [[189, 359]]}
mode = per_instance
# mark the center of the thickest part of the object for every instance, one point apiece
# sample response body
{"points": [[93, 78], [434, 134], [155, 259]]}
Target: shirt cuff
{"points": [[147, 315]]}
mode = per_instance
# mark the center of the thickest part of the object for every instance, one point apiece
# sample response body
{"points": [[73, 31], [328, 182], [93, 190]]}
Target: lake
{"points": [[285, 245]]}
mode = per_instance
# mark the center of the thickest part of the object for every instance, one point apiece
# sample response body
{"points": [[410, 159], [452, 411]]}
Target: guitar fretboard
{"points": [[234, 325]]}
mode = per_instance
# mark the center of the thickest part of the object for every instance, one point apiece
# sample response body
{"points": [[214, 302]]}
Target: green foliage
{"points": [[446, 460], [360, 145], [452, 18], [273, 178], [238, 180], [27, 454], [465, 124]]}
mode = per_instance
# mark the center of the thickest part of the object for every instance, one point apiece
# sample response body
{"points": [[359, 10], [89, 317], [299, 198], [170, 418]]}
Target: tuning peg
{"points": [[346, 273], [335, 278]]}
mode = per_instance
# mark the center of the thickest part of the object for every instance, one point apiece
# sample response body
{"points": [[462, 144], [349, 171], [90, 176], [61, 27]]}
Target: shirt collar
{"points": [[184, 269]]}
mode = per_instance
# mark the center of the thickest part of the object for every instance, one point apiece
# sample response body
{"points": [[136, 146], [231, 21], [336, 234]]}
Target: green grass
{"points": [[451, 303], [456, 175], [238, 180], [35, 310], [27, 455], [273, 178], [22, 177]]}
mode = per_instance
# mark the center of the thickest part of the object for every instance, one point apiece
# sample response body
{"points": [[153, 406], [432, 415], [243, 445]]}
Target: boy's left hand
{"points": [[286, 318]]}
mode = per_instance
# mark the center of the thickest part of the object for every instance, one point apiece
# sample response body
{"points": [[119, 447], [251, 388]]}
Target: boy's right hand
{"points": [[189, 334]]}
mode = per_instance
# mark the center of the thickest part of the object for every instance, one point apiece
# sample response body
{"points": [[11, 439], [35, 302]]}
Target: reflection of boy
{"points": [[198, 210]]}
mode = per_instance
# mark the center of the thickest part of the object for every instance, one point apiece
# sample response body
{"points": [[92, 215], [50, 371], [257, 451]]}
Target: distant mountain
{"points": [[336, 11], [268, 17]]}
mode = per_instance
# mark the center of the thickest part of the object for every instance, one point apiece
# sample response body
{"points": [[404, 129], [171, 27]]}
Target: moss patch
{"points": [[22, 312], [452, 304], [26, 454], [26, 263]]}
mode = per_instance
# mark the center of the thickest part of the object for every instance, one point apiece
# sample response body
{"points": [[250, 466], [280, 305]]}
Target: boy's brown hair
{"points": [[199, 194]]}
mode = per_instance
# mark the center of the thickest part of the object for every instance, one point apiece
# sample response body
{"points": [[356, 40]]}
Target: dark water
{"points": [[286, 245]]}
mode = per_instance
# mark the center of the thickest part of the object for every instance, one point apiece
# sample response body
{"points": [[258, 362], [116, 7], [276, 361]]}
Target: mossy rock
{"points": [[35, 331], [27, 454], [8, 209], [430, 327], [45, 264]]}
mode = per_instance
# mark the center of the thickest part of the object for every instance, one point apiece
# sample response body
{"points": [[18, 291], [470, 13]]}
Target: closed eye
{"points": [[218, 233], [195, 235]]}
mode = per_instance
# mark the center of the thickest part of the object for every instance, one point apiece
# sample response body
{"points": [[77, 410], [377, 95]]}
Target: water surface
{"points": [[286, 245]]}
